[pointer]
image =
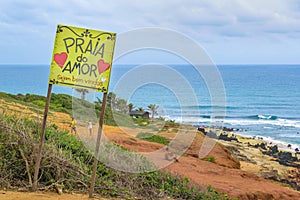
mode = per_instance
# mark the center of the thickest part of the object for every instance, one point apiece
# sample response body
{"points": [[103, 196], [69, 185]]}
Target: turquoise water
{"points": [[262, 100]]}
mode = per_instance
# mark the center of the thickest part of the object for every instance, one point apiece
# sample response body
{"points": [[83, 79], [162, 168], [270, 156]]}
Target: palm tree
{"points": [[83, 92], [153, 108], [130, 107], [140, 109], [111, 100], [98, 102], [121, 105]]}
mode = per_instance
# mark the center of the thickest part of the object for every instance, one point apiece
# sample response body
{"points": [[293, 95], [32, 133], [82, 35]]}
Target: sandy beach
{"points": [[254, 159]]}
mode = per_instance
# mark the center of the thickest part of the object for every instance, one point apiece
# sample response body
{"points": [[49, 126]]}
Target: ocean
{"points": [[261, 100]]}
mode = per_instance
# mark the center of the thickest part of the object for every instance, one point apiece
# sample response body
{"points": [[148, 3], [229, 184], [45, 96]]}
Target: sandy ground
{"points": [[13, 195], [62, 120]]}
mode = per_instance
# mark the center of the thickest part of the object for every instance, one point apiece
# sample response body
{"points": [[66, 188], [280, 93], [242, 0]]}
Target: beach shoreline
{"points": [[255, 138], [268, 159]]}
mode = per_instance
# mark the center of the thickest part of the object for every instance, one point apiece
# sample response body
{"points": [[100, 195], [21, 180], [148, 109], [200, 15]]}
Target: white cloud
{"points": [[210, 22]]}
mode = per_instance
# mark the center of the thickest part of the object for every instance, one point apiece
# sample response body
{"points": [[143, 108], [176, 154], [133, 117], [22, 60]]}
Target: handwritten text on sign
{"points": [[82, 58]]}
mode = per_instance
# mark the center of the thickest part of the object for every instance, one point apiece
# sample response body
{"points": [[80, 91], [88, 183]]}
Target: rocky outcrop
{"points": [[261, 146], [283, 157], [227, 138]]}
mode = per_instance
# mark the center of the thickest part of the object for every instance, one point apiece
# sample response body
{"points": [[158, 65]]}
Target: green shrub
{"points": [[210, 159], [39, 103], [142, 121], [152, 138]]}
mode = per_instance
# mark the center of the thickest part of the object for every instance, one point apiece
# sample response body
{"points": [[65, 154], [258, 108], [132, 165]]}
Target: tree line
{"points": [[121, 105]]}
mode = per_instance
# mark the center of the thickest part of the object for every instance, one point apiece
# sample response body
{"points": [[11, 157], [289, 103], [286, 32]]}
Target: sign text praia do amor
{"points": [[82, 58]]}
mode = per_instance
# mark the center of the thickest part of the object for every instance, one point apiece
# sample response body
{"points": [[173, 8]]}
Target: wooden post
{"points": [[39, 156], [96, 154]]}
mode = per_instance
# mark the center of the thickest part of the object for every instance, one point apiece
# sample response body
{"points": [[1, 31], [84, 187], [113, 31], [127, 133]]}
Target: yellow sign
{"points": [[82, 58]]}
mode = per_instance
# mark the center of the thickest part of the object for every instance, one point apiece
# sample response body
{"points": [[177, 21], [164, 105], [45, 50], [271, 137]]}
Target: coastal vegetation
{"points": [[66, 164], [210, 159], [153, 108], [152, 138], [83, 92], [116, 111]]}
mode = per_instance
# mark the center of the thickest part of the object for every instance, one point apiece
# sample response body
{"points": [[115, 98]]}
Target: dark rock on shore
{"points": [[271, 175], [201, 130], [284, 158], [261, 145], [226, 138], [291, 181], [287, 156], [235, 151], [228, 129]]}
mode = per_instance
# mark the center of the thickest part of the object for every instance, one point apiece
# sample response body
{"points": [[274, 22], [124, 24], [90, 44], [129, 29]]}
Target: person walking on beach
{"points": [[90, 127], [73, 126]]}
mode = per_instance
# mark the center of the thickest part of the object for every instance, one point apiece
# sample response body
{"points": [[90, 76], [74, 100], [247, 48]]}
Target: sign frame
{"points": [[102, 66]]}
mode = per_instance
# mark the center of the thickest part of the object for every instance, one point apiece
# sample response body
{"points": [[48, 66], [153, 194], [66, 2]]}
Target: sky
{"points": [[230, 31]]}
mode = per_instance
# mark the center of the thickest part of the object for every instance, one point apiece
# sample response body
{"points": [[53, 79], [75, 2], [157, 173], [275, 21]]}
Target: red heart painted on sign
{"points": [[61, 58], [102, 66]]}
